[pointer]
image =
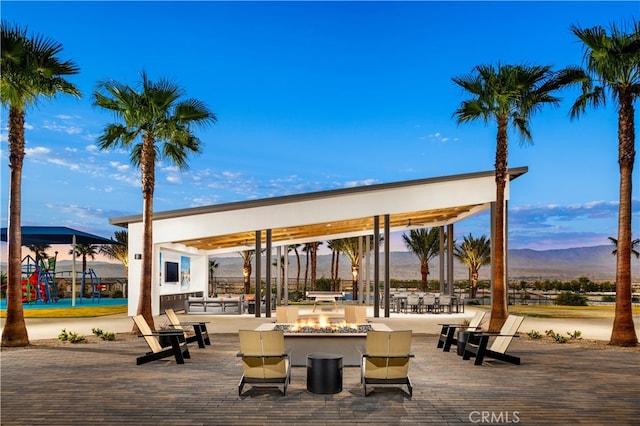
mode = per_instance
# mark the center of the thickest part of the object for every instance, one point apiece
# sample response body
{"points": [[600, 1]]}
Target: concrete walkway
{"points": [[49, 328], [99, 383]]}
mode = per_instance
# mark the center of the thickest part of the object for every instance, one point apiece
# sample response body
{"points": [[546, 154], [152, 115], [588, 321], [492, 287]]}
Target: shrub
{"points": [[608, 298], [104, 335], [559, 338], [576, 335], [75, 337], [534, 334], [568, 298], [117, 294], [64, 335]]}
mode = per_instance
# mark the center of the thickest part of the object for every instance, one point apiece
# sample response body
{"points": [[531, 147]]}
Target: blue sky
{"points": [[319, 95]]}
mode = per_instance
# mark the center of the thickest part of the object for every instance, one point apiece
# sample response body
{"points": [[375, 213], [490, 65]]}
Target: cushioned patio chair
{"points": [[476, 345], [201, 335], [414, 303], [355, 314], [429, 303], [287, 314], [444, 303], [386, 359], [448, 331], [264, 359], [178, 345]]}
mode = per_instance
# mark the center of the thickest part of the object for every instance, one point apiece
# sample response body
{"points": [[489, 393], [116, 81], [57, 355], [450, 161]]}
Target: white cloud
{"points": [[363, 182], [70, 130], [64, 163], [38, 151], [119, 166]]}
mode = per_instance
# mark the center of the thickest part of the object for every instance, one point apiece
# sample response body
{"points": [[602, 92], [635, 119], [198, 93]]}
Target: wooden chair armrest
{"points": [[194, 322], [409, 355], [484, 333], [240, 355], [164, 333]]}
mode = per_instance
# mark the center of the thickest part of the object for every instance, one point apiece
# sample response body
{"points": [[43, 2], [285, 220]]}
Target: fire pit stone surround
{"points": [[344, 339]]}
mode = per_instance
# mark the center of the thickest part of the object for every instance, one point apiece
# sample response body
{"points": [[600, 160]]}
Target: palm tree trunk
{"points": [[314, 263], [147, 165], [473, 277], [623, 332], [499, 300], [14, 333], [295, 250], [424, 274]]}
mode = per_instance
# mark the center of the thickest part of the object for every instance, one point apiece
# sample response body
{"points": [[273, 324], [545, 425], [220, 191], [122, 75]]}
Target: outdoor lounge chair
{"points": [[386, 359], [264, 359], [287, 314], [476, 345], [448, 331], [201, 335], [355, 314], [178, 348]]}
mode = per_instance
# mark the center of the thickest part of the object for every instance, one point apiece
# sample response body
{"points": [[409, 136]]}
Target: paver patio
{"points": [[99, 383]]}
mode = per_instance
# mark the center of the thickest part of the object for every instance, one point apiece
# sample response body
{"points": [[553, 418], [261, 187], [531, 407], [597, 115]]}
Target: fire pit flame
{"points": [[323, 325]]}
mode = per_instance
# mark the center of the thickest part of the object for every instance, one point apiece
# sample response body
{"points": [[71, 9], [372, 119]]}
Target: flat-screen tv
{"points": [[171, 272]]}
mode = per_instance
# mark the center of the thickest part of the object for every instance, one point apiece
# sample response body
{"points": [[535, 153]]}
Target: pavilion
{"points": [[188, 237]]}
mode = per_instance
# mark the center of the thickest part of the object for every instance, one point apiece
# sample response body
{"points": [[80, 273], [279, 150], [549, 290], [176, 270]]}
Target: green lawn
{"points": [[75, 312], [555, 311]]}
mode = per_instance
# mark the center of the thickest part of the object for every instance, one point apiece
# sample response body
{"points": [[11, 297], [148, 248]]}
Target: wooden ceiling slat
{"points": [[325, 230]]}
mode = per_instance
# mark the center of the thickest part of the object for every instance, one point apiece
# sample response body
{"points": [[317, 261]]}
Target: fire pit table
{"points": [[324, 340]]}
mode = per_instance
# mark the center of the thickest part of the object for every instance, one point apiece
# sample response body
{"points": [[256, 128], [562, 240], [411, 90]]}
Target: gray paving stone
{"points": [[86, 384]]}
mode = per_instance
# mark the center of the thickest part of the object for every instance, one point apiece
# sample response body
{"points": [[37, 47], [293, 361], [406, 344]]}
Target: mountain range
{"points": [[597, 263]]}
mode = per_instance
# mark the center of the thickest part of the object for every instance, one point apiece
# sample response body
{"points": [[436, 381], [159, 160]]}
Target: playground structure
{"points": [[39, 281]]}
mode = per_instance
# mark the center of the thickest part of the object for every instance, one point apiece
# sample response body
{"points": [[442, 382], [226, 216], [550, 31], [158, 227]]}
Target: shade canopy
{"points": [[56, 235]]}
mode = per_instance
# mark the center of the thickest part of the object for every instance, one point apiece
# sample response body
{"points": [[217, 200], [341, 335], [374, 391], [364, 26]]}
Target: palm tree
{"points": [[154, 114], [335, 247], [31, 70], [283, 258], [634, 243], [119, 251], [474, 253], [247, 257], [295, 247], [213, 265], [312, 251], [40, 251], [307, 251], [425, 244], [508, 95], [613, 61], [84, 251]]}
